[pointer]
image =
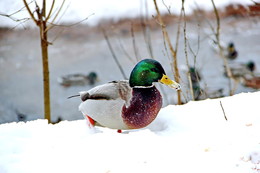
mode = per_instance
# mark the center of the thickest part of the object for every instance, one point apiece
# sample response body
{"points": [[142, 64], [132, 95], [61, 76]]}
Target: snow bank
{"points": [[189, 138], [77, 10]]}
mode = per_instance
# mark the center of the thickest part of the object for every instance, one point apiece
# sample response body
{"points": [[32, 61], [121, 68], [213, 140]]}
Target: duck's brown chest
{"points": [[144, 107]]}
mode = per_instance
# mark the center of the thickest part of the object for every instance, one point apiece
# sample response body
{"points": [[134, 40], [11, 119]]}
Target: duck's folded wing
{"points": [[104, 103], [109, 91]]}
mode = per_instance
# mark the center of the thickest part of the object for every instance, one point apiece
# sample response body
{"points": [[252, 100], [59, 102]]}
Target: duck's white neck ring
{"points": [[144, 86]]}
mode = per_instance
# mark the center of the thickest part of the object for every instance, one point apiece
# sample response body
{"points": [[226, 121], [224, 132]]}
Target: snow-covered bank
{"points": [[77, 10], [190, 138]]}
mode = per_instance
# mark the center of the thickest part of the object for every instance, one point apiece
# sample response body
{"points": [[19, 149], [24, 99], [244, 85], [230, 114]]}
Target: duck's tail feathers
{"points": [[78, 95]]}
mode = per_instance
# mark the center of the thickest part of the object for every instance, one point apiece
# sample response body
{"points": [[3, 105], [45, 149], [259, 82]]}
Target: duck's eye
{"points": [[154, 70]]}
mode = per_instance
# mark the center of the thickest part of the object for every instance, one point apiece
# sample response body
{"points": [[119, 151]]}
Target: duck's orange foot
{"points": [[91, 122], [119, 131]]}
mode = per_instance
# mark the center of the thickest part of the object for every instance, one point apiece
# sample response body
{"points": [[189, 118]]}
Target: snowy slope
{"points": [[189, 138]]}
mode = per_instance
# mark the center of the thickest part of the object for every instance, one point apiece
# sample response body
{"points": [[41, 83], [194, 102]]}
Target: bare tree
{"points": [[41, 19], [44, 21]]}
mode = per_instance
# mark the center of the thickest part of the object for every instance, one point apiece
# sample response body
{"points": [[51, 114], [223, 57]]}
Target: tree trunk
{"points": [[45, 69]]}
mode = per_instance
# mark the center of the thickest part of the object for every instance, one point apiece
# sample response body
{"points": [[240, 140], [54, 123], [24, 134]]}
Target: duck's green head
{"points": [[250, 66], [148, 71]]}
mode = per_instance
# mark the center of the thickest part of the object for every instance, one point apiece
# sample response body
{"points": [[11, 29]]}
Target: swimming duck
{"points": [[195, 80], [243, 70], [229, 49], [124, 104], [195, 75], [78, 79]]}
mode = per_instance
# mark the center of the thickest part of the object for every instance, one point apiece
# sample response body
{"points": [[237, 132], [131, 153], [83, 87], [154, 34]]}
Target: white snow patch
{"points": [[194, 137]]}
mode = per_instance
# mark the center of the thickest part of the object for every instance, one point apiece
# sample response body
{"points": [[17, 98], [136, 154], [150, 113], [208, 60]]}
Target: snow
{"points": [[194, 137], [77, 10]]}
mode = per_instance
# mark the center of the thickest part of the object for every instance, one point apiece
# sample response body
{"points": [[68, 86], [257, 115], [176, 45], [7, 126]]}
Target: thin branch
{"points": [[30, 12], [50, 12], [168, 8], [21, 23], [113, 53], [56, 15], [173, 52], [125, 52], [70, 25], [134, 43], [39, 14], [63, 13], [43, 8], [223, 111], [146, 31], [185, 50], [14, 19], [10, 15], [217, 35], [195, 54], [218, 23], [57, 36]]}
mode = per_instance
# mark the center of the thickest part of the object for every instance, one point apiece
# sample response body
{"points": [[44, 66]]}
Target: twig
{"points": [[50, 12], [146, 31], [195, 54], [30, 12], [57, 36], [73, 24], [134, 44], [14, 19], [56, 15], [223, 111], [125, 52], [173, 52], [185, 50], [168, 8], [113, 53], [217, 35], [44, 8], [20, 23]]}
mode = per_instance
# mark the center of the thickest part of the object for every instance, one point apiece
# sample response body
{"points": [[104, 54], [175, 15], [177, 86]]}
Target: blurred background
{"points": [[88, 38]]}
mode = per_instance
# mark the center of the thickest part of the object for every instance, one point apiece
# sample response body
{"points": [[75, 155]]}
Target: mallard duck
{"points": [[78, 79], [195, 75], [124, 104], [242, 70], [195, 80], [229, 50]]}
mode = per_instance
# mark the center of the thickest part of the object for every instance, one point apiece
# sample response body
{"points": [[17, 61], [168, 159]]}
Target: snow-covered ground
{"points": [[77, 10], [194, 137]]}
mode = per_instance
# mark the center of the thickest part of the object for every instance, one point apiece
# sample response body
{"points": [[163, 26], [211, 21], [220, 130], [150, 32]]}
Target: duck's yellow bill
{"points": [[172, 84]]}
